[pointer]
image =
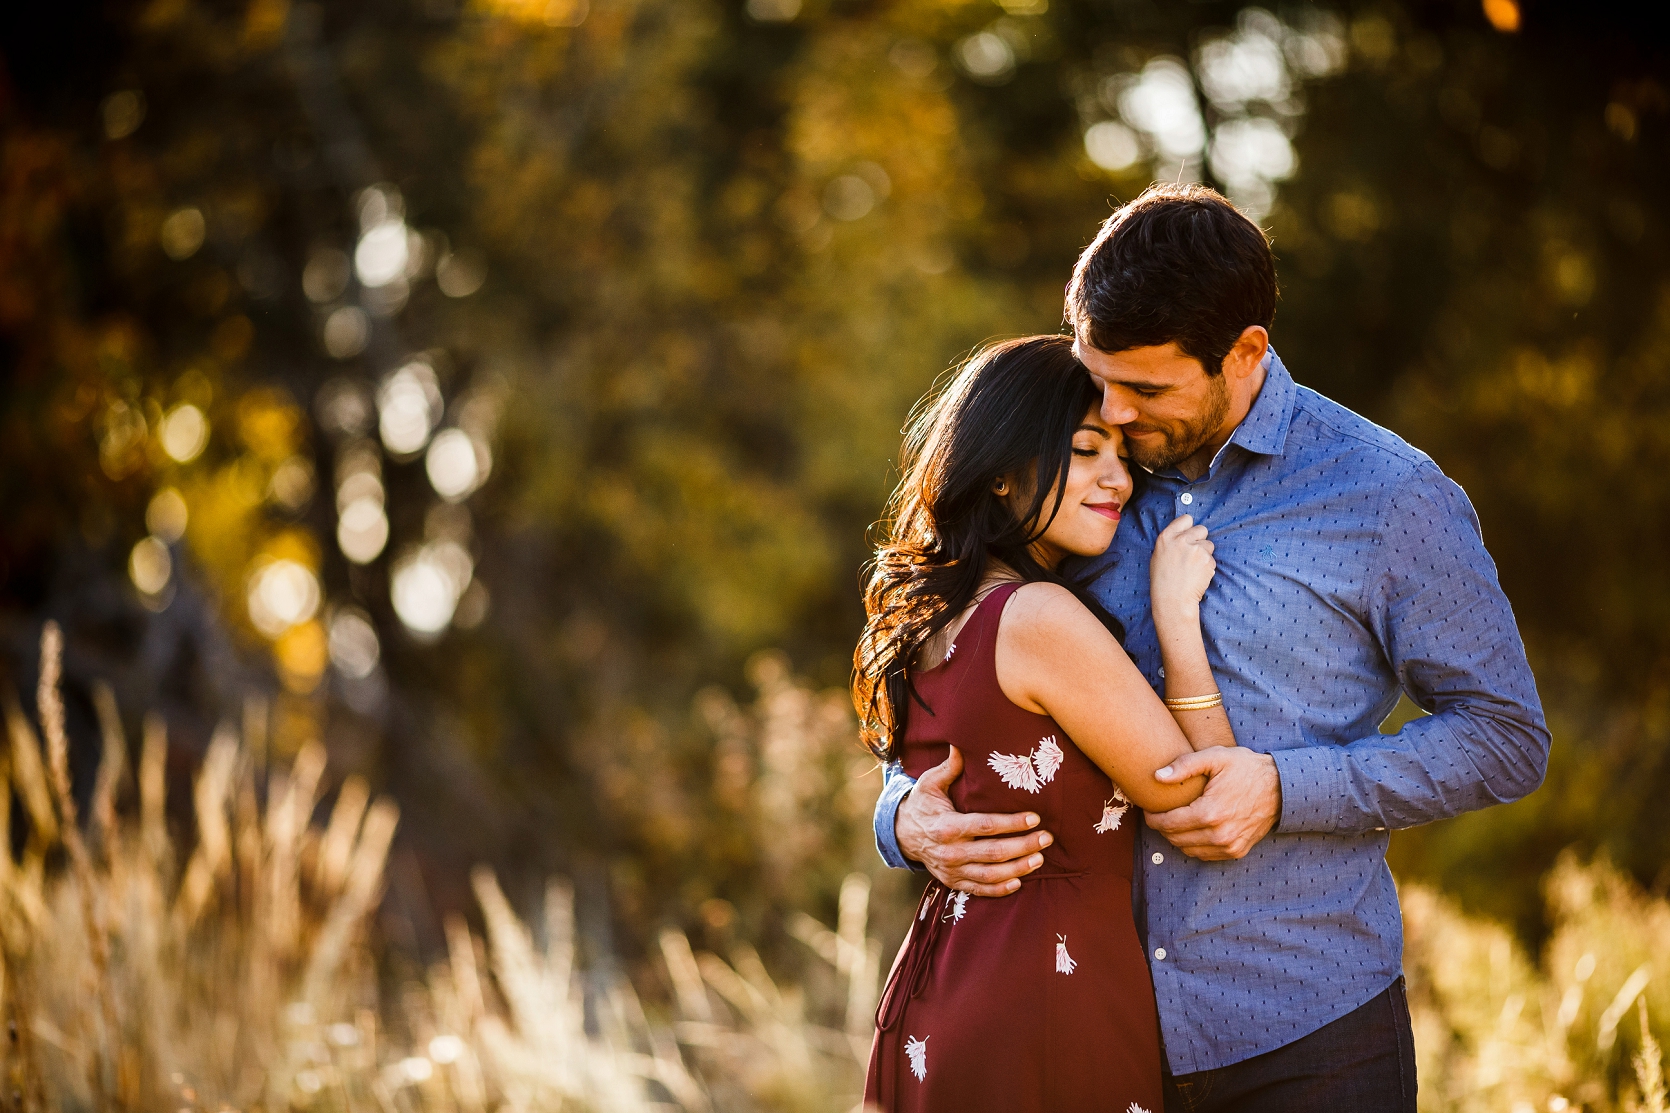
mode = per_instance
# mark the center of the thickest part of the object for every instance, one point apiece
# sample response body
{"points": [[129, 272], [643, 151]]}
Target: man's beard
{"points": [[1183, 439]]}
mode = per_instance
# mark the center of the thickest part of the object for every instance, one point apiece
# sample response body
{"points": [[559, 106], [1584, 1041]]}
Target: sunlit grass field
{"points": [[243, 972]]}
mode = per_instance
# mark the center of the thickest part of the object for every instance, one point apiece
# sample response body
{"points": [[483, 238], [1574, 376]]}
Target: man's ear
{"points": [[1248, 353]]}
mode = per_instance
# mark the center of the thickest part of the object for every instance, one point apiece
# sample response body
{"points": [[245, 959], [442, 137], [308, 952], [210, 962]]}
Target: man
{"points": [[1349, 568]]}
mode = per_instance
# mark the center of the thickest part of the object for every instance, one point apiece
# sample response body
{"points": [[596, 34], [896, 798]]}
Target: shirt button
{"points": [[1159, 954], [1157, 858], [1186, 498]]}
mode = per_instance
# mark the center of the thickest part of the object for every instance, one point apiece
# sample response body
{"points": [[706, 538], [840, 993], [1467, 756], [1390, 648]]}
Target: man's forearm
{"points": [[897, 786], [1437, 767], [1444, 624]]}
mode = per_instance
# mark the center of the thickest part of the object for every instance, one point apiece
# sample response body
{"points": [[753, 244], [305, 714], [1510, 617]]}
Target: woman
{"points": [[1040, 1000]]}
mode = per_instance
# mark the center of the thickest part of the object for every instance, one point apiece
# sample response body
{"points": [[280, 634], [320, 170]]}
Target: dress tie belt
{"points": [[910, 972]]}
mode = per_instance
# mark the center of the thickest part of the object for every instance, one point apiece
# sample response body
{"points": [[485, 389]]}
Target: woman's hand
{"points": [[1181, 568]]}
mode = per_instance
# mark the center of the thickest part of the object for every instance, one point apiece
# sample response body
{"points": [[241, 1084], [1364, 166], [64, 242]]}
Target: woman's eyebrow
{"points": [[1089, 428]]}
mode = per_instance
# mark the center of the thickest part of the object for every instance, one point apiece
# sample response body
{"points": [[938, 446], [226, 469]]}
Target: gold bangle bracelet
{"points": [[1195, 703]]}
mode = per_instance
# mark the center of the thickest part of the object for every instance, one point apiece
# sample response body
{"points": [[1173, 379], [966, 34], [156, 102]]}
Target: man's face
{"points": [[1163, 400]]}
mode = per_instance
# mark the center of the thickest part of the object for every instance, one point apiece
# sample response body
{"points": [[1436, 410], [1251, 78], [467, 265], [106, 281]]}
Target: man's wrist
{"points": [[1275, 774]]}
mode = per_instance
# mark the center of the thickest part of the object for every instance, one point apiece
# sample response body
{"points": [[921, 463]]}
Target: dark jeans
{"points": [[1364, 1062]]}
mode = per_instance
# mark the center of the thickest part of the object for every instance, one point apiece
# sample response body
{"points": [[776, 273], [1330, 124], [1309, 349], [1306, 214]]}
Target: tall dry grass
{"points": [[244, 974], [1499, 1030], [241, 975]]}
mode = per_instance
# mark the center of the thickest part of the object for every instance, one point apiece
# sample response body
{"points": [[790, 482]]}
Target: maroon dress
{"points": [[1040, 1000]]}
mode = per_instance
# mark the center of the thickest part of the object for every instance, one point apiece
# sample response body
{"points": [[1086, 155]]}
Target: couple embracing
{"points": [[1142, 605]]}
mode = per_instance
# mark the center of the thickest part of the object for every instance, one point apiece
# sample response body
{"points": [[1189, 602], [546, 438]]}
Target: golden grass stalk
{"points": [[29, 773], [110, 1041], [1649, 1066], [113, 764]]}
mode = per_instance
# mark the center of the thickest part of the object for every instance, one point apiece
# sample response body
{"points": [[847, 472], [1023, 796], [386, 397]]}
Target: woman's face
{"points": [[1098, 487]]}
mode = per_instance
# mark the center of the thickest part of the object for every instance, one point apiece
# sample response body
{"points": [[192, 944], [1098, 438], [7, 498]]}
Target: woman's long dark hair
{"points": [[1010, 410]]}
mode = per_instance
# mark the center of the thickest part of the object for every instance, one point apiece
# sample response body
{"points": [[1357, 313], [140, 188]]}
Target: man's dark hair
{"points": [[1178, 263]]}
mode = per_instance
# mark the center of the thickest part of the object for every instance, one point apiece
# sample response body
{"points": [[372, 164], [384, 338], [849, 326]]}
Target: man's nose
{"points": [[1116, 409]]}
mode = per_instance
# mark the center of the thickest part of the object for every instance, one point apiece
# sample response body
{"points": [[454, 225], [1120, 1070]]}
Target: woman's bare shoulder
{"points": [[1045, 614], [1046, 640]]}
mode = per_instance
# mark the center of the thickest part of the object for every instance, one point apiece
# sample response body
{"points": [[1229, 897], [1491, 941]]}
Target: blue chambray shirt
{"points": [[1349, 567]]}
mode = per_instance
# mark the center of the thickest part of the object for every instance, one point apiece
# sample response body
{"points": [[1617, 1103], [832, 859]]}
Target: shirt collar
{"points": [[1264, 429]]}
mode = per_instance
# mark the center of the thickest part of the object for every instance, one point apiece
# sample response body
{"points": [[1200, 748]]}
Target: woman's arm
{"points": [[1179, 573], [1056, 659]]}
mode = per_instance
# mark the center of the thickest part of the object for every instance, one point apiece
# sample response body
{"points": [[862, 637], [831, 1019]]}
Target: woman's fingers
{"points": [[1183, 559], [1177, 526]]}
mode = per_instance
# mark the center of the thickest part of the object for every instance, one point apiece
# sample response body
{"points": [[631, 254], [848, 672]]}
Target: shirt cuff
{"points": [[1314, 791], [893, 792]]}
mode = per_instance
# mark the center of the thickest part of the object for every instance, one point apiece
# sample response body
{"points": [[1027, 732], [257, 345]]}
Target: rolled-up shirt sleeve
{"points": [[1445, 626], [894, 789]]}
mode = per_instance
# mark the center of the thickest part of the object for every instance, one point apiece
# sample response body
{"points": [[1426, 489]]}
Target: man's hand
{"points": [[1241, 803], [958, 849]]}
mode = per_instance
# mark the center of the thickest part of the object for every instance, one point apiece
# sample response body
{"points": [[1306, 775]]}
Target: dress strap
{"points": [[979, 633]]}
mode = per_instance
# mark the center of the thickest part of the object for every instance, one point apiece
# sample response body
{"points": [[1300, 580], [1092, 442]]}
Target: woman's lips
{"points": [[1108, 510]]}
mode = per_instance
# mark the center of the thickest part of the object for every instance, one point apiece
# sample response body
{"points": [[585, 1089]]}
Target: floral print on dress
{"points": [[1135, 1108], [1048, 758], [1017, 772], [957, 908], [1031, 772], [1064, 963], [1113, 811], [917, 1051]]}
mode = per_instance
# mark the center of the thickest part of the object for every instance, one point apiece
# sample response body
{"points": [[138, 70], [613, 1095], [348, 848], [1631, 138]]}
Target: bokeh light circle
{"points": [[354, 646], [362, 529], [452, 464], [185, 433], [150, 566], [166, 515], [282, 594]]}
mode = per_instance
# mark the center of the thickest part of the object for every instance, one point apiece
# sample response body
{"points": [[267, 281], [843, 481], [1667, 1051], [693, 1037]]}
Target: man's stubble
{"points": [[1189, 436]]}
